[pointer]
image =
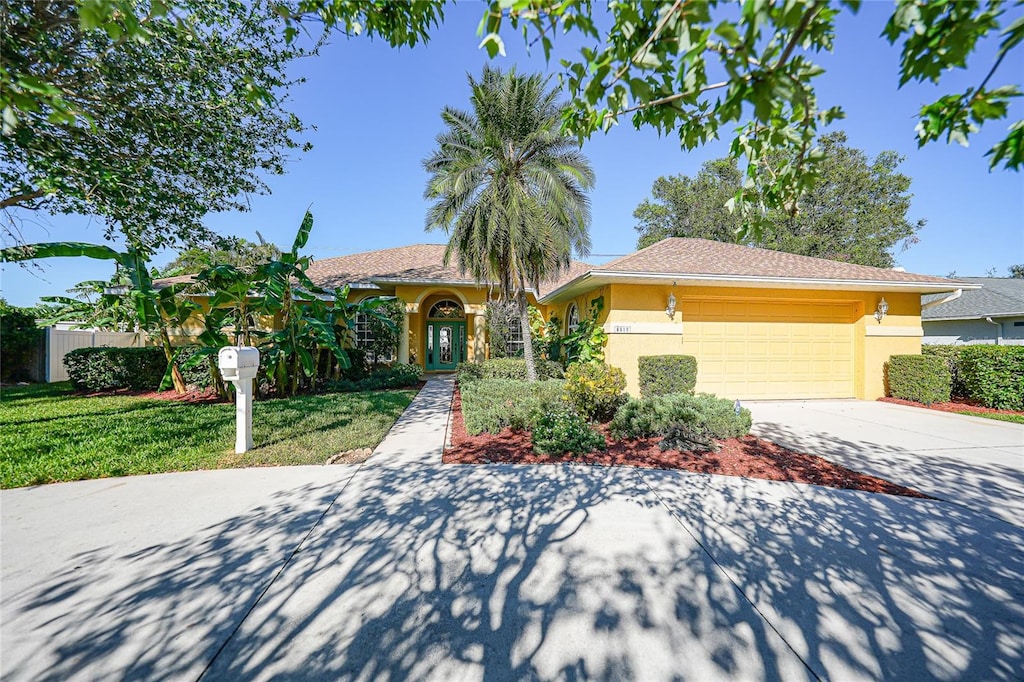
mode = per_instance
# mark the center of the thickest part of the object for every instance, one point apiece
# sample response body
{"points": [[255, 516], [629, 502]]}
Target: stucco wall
{"points": [[641, 307], [966, 332]]}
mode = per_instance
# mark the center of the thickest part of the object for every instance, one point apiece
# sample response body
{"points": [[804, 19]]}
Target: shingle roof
{"points": [[416, 263], [998, 296], [685, 256]]}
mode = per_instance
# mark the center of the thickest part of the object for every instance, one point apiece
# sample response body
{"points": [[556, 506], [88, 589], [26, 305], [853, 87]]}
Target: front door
{"points": [[446, 344]]}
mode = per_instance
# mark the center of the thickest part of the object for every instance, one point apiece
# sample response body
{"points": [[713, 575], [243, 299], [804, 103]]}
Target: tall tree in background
{"points": [[149, 136], [238, 252], [509, 188], [857, 212]]}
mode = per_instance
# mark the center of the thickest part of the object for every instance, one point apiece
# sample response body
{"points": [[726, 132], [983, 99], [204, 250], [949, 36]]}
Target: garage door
{"points": [[751, 349]]}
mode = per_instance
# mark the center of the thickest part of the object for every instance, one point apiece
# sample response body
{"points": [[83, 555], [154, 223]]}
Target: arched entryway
{"points": [[445, 335]]}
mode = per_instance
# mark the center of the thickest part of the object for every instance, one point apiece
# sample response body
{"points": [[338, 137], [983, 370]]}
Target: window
{"points": [[446, 310], [1018, 324], [365, 339], [572, 318], [514, 338]]}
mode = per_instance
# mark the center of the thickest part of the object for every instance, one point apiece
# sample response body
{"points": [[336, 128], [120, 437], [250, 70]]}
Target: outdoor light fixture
{"points": [[670, 309], [883, 309]]}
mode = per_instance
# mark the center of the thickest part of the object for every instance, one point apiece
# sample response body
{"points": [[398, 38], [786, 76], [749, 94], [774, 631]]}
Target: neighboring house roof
{"points": [[997, 297], [702, 261], [417, 264]]}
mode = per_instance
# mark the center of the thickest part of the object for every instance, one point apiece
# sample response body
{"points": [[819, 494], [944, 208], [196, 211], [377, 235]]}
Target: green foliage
{"points": [[505, 368], [951, 356], [921, 378], [994, 375], [504, 330], [515, 368], [558, 429], [198, 374], [586, 342], [493, 404], [384, 318], [149, 124], [238, 252], [595, 389], [47, 434], [684, 420], [662, 374], [655, 63], [102, 369], [396, 376], [1016, 271], [509, 188], [19, 337], [856, 211], [468, 372]]}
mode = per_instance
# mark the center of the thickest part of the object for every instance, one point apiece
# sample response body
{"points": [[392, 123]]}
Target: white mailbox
{"points": [[239, 365], [238, 362]]}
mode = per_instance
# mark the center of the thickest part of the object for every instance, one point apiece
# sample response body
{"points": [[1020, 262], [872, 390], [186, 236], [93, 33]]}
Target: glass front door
{"points": [[446, 344]]}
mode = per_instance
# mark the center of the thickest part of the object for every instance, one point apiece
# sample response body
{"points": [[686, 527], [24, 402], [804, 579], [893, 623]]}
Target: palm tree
{"points": [[509, 188]]}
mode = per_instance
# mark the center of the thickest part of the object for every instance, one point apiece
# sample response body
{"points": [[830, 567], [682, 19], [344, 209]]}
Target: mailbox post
{"points": [[239, 365]]}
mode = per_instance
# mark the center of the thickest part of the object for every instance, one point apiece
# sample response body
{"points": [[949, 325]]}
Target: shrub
{"points": [[395, 376], [663, 374], [595, 389], [100, 369], [515, 368], [19, 337], [468, 372], [492, 404], [951, 356], [198, 375], [921, 378], [681, 417], [558, 429], [994, 375], [359, 366]]}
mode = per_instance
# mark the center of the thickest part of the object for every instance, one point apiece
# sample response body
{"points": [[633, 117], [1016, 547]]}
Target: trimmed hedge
{"points": [[101, 369], [921, 378], [994, 375], [396, 376], [492, 404], [506, 368], [664, 374], [198, 376], [951, 356]]}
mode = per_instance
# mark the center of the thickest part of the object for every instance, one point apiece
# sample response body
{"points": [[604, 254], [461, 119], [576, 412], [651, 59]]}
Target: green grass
{"points": [[1015, 418], [49, 434]]}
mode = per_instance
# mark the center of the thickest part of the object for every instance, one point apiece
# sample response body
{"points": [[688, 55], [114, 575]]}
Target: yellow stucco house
{"points": [[762, 324]]}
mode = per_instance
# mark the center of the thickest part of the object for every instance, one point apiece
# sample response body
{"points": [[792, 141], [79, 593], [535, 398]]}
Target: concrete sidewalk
{"points": [[408, 569]]}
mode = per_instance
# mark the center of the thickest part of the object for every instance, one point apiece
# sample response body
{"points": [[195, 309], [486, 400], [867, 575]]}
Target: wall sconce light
{"points": [[670, 309], [882, 311]]}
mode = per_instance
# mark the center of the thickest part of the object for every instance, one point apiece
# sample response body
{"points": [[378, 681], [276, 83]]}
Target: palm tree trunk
{"points": [[524, 326]]}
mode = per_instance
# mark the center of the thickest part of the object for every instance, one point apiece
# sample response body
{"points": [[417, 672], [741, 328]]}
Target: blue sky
{"points": [[376, 112]]}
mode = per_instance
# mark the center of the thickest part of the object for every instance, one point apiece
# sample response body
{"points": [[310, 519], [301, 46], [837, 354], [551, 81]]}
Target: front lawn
{"points": [[50, 434]]}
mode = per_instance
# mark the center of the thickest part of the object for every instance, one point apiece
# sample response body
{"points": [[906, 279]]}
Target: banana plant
{"points": [[155, 308]]}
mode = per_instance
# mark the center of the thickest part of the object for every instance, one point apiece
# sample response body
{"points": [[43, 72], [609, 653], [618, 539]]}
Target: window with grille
{"points": [[572, 318]]}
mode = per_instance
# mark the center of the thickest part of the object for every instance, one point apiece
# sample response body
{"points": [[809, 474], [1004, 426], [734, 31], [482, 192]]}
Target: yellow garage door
{"points": [[751, 349]]}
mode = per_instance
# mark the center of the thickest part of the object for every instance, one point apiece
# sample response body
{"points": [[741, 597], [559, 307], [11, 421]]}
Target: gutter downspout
{"points": [[999, 336], [952, 297]]}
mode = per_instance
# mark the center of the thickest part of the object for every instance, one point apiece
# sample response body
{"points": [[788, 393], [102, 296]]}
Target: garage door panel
{"points": [[771, 349]]}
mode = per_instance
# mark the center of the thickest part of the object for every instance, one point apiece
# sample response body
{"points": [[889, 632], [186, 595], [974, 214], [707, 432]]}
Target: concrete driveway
{"points": [[974, 462], [407, 569]]}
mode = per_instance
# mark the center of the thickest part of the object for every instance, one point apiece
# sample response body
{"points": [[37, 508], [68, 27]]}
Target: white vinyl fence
{"points": [[59, 342]]}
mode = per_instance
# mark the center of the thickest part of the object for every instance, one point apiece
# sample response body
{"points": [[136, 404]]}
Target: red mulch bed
{"points": [[750, 457], [953, 406]]}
